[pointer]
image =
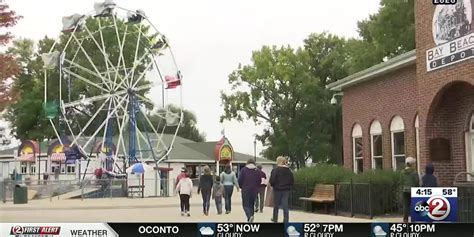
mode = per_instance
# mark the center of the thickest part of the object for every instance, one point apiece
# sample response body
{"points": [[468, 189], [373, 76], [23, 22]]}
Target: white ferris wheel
{"points": [[112, 88]]}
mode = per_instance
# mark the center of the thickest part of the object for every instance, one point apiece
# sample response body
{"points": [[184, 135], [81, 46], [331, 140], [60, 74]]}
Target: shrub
{"points": [[384, 188], [323, 174], [385, 177], [332, 174]]}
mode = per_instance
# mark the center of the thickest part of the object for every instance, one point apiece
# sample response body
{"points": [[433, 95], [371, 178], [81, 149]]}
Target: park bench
{"points": [[136, 189], [323, 193]]}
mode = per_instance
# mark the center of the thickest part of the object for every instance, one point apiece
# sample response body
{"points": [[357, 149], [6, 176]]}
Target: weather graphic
{"points": [[379, 229], [292, 232], [206, 231]]}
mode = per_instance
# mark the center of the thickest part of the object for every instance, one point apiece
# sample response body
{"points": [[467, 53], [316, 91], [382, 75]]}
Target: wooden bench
{"points": [[323, 193], [136, 189]]}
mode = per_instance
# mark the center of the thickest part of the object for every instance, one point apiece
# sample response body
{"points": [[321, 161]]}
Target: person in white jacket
{"points": [[185, 190]]}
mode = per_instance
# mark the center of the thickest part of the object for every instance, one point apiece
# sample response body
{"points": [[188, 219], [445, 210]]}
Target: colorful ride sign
{"points": [[223, 150]]}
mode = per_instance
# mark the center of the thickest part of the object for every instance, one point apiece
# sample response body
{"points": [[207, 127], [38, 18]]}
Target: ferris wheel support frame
{"points": [[113, 92]]}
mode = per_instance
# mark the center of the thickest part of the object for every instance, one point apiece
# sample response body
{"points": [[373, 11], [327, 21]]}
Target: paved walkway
{"points": [[144, 210]]}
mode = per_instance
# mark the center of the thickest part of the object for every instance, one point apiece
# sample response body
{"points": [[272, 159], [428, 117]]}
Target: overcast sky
{"points": [[210, 38]]}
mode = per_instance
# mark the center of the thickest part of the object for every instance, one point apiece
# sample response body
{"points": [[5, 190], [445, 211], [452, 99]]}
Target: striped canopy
{"points": [[58, 157], [27, 157]]}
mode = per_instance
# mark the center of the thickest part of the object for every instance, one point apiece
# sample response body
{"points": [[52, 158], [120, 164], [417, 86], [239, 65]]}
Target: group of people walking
{"points": [[251, 182]]}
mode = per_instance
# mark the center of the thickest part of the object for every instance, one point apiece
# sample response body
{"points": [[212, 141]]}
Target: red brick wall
{"points": [[380, 100], [443, 100], [442, 88]]}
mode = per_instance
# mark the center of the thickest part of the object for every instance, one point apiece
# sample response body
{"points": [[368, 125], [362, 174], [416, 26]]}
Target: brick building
{"points": [[419, 104]]}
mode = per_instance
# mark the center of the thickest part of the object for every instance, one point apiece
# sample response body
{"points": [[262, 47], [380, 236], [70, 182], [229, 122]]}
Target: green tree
{"points": [[188, 128], [329, 56], [329, 62], [27, 115], [385, 34], [279, 90]]}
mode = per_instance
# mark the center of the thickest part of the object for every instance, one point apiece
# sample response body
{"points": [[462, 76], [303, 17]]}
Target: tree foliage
{"points": [[329, 56], [9, 68], [188, 129], [284, 89], [385, 34], [279, 90], [27, 115]]}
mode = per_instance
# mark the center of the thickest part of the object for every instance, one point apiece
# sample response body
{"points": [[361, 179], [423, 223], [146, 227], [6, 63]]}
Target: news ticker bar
{"points": [[376, 229]]}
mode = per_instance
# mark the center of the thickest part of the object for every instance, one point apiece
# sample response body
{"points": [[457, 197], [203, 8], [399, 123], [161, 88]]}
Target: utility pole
{"points": [[255, 149]]}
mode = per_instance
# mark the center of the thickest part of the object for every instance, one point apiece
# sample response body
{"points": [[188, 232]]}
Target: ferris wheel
{"points": [[112, 87]]}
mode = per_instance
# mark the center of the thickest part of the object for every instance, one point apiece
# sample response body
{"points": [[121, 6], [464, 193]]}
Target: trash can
{"points": [[20, 194]]}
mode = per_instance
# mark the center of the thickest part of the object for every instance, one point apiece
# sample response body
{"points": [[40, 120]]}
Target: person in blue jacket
{"points": [[429, 179]]}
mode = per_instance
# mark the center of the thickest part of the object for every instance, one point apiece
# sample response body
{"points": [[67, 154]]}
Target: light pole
{"points": [[255, 148], [335, 120]]}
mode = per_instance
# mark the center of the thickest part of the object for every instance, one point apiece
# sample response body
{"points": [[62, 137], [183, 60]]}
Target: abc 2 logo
{"points": [[434, 204]]}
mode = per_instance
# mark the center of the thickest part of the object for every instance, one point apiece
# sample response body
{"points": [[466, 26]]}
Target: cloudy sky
{"points": [[210, 38]]}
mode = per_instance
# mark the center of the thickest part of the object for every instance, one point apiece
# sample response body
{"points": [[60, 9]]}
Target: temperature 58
{"points": [[448, 191]]}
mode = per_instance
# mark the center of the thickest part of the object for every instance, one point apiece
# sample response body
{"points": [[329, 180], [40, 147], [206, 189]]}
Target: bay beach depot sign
{"points": [[453, 34]]}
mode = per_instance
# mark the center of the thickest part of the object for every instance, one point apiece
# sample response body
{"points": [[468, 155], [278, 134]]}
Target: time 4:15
{"points": [[425, 191]]}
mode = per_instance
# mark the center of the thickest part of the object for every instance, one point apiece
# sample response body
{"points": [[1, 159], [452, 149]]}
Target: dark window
{"points": [[399, 143], [23, 168], [359, 166], [377, 145], [358, 147], [399, 150], [358, 155], [377, 152]]}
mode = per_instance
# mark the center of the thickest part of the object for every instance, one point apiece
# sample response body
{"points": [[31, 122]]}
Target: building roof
{"points": [[184, 150], [375, 71], [204, 151]]}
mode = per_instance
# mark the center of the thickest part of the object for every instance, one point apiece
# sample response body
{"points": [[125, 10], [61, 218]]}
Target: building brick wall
{"points": [[443, 99], [381, 100], [450, 119], [437, 88]]}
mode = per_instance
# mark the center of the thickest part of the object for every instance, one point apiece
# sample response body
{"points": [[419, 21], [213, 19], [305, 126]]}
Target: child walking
{"points": [[185, 190], [217, 194]]}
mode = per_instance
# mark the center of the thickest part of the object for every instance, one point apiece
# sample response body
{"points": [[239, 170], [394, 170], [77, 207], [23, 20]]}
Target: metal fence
{"points": [[89, 188], [361, 199], [465, 201], [300, 190], [367, 199], [43, 190]]}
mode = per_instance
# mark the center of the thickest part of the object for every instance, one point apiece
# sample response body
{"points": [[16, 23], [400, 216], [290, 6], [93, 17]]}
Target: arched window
{"points": [[376, 145], [397, 130], [357, 149]]}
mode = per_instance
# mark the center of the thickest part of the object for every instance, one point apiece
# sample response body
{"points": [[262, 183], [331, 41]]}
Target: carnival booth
{"points": [[27, 153], [63, 159]]}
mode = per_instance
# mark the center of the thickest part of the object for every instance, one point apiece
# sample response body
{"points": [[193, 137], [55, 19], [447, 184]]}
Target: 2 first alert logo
{"points": [[35, 230]]}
